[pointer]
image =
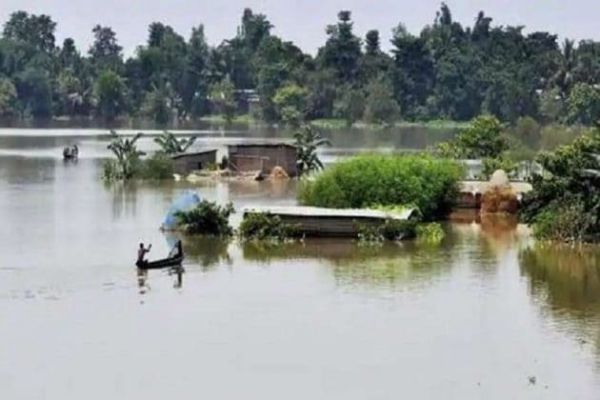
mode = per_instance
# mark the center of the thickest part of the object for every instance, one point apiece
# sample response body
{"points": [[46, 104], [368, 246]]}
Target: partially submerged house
{"points": [[263, 157], [186, 163], [331, 222]]}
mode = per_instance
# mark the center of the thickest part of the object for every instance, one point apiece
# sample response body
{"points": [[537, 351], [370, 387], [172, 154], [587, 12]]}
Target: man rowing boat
{"points": [[142, 254]]}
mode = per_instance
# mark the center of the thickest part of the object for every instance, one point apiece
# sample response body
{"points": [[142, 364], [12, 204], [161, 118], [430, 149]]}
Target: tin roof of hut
{"points": [[319, 212], [263, 143], [190, 154]]}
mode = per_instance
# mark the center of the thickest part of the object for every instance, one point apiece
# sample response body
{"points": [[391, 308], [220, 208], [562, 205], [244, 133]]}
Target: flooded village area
{"points": [[313, 318]]}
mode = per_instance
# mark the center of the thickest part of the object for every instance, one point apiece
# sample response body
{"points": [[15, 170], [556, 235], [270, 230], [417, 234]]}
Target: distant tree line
{"points": [[448, 71]]}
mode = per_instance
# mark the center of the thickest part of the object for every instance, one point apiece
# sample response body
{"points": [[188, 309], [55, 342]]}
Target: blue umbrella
{"points": [[185, 202]]}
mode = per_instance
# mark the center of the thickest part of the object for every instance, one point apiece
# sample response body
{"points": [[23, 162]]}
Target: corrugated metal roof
{"points": [[195, 153], [317, 212]]}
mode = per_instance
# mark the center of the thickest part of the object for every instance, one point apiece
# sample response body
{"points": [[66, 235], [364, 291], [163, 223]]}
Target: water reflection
{"points": [[124, 197], [566, 282], [352, 263], [207, 252], [568, 277], [142, 278]]}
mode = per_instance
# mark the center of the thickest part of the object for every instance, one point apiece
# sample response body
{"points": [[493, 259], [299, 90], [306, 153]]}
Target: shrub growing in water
{"points": [[430, 233], [427, 183], [157, 167], [264, 226], [207, 218], [391, 229]]}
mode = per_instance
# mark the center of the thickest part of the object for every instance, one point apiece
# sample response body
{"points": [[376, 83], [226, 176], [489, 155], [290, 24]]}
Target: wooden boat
{"points": [[70, 153], [164, 263]]}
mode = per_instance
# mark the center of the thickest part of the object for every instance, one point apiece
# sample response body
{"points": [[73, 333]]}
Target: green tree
{"points": [[35, 92], [222, 96], [290, 102], [482, 139], [34, 30], [8, 98], [110, 93], [413, 72], [350, 105], [583, 104], [158, 106], [552, 105], [342, 51], [72, 97], [565, 201], [105, 52], [381, 107], [196, 77]]}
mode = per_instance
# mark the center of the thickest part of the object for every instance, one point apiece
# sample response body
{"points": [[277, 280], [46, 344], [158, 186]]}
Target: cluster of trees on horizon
{"points": [[448, 71]]}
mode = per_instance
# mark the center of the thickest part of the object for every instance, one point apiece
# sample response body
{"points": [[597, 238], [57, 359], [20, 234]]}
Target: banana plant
{"points": [[126, 152], [169, 144], [308, 141]]}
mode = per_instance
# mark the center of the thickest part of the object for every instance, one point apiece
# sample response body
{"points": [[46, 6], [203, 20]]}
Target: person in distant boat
{"points": [[142, 254], [75, 151]]}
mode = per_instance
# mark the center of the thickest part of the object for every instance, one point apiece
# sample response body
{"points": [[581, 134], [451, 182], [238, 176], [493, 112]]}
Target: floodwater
{"points": [[487, 314]]}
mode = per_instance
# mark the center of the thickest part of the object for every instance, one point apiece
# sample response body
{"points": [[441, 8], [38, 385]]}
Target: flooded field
{"points": [[487, 314]]}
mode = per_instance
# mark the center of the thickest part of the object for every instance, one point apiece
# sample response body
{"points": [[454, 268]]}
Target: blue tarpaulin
{"points": [[184, 202]]}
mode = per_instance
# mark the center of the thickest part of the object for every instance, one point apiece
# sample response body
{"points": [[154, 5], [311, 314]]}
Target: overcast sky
{"points": [[302, 21]]}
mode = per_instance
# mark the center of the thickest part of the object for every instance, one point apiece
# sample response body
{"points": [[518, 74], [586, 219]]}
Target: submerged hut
{"points": [[263, 157], [331, 222], [186, 163]]}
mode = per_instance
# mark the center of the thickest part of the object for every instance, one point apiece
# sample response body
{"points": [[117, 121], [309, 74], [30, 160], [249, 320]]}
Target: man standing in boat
{"points": [[142, 254]]}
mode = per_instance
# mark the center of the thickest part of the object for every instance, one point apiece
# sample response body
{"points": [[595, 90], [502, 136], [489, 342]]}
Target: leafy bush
{"points": [[264, 226], [391, 229], [429, 184], [207, 218], [565, 223], [482, 139], [157, 167], [431, 233], [565, 201]]}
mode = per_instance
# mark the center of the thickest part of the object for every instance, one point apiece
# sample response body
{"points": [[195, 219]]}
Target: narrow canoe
{"points": [[164, 263]]}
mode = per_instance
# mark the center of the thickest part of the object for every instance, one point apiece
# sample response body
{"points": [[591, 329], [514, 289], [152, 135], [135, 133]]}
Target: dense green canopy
{"points": [[447, 71]]}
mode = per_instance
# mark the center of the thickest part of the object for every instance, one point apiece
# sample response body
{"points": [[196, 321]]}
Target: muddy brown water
{"points": [[486, 314]]}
